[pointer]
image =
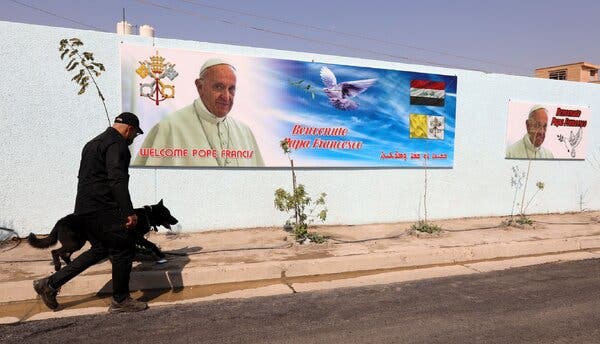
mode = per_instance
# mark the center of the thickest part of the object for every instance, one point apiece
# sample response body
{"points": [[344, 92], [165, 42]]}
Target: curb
{"points": [[277, 271]]}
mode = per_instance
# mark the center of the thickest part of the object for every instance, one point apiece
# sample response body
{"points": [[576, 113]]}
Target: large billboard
{"points": [[241, 108], [546, 131]]}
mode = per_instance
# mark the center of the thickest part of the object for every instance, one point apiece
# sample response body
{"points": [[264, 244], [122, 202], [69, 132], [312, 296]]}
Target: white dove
{"points": [[340, 94], [574, 141]]}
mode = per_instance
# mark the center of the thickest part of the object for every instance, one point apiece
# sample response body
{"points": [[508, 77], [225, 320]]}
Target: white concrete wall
{"points": [[44, 125]]}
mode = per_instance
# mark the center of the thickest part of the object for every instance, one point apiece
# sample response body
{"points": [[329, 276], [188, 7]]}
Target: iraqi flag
{"points": [[426, 92]]}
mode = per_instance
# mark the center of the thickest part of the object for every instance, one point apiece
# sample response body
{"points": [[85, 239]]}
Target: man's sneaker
{"points": [[127, 306], [46, 292]]}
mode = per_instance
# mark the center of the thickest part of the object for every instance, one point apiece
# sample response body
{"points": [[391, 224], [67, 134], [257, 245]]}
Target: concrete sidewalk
{"points": [[269, 256]]}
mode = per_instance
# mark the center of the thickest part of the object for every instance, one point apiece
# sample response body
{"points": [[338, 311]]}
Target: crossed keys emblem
{"points": [[157, 70], [436, 128]]}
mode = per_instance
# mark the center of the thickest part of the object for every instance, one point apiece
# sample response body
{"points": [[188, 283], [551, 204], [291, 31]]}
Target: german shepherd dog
{"points": [[73, 238]]}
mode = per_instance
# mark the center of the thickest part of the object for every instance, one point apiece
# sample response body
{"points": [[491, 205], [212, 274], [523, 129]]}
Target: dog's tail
{"points": [[48, 241]]}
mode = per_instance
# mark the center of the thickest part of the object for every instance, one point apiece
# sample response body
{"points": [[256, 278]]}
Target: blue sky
{"points": [[512, 37]]}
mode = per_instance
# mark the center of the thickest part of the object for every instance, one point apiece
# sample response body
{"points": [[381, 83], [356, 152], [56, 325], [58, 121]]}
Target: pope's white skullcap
{"points": [[213, 62], [535, 108]]}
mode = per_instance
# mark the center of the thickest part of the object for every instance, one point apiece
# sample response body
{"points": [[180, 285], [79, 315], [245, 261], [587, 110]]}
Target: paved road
{"points": [[551, 303]]}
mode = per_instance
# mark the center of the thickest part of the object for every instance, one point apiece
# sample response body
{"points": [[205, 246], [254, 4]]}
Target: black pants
{"points": [[107, 234]]}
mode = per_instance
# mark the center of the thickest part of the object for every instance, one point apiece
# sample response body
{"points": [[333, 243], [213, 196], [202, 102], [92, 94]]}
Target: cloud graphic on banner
{"points": [[355, 120]]}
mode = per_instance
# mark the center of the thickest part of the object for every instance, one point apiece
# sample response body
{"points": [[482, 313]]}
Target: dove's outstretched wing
{"points": [[352, 88], [328, 77], [574, 140]]}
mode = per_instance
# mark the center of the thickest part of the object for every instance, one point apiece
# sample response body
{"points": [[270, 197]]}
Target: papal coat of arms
{"points": [[157, 70]]}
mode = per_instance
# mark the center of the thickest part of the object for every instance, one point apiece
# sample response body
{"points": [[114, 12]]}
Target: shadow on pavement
{"points": [[169, 281]]}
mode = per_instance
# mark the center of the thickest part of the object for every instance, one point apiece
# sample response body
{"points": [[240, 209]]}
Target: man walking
{"points": [[104, 211]]}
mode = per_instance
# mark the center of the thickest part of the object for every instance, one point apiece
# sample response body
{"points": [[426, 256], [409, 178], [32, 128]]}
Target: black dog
{"points": [[72, 236]]}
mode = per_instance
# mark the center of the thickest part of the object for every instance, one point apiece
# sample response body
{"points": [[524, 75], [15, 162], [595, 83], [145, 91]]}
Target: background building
{"points": [[580, 71]]}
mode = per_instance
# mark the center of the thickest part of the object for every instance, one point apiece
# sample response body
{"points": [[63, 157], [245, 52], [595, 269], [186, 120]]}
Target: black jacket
{"points": [[103, 175]]}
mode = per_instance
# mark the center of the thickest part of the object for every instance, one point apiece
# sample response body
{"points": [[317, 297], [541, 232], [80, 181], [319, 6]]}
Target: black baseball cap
{"points": [[131, 119]]}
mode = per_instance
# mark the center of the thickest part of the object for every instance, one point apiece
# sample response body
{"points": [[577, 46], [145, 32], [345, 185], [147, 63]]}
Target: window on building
{"points": [[558, 74], [593, 72]]}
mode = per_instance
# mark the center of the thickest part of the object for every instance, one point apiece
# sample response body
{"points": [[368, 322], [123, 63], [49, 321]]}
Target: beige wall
{"points": [[575, 72]]}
